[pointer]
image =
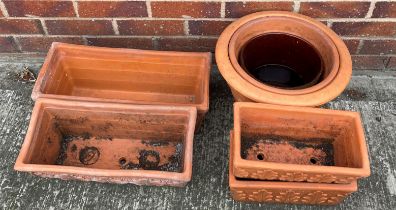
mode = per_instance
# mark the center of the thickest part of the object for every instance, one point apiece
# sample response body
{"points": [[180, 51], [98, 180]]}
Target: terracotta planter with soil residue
{"points": [[99, 74], [120, 143], [283, 58], [274, 142], [248, 190]]}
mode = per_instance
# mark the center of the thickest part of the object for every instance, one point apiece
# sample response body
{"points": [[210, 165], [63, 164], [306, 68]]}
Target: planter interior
{"points": [[291, 139], [250, 190], [124, 75], [111, 137]]}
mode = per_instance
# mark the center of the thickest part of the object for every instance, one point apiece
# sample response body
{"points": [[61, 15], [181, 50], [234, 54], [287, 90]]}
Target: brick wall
{"points": [[30, 26]]}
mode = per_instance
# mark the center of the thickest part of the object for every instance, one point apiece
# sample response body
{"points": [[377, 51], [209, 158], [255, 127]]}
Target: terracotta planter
{"points": [[120, 143], [248, 190], [274, 142], [283, 58], [83, 73]]}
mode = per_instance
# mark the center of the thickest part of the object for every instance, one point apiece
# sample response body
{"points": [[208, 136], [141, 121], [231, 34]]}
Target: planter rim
{"points": [[251, 91], [238, 161], [185, 175], [330, 77], [57, 46], [262, 184]]}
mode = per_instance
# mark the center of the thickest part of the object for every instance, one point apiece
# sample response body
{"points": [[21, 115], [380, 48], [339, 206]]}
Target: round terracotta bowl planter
{"points": [[283, 58]]}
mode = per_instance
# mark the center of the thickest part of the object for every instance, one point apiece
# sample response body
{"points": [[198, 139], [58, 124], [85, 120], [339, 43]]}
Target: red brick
{"points": [[239, 9], [384, 10], [7, 45], [112, 9], [40, 8], [207, 27], [135, 43], [392, 63], [365, 28], [369, 62], [79, 27], [151, 27], [42, 44], [379, 47], [352, 45], [335, 9], [186, 9], [187, 44], [14, 26]]}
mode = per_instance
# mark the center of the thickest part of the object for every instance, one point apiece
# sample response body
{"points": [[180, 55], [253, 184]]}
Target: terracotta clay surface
{"points": [[84, 73], [249, 190], [121, 143], [274, 142], [283, 58]]}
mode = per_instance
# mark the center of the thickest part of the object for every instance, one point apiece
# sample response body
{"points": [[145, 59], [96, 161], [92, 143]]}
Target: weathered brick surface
{"points": [[186, 9], [20, 26], [42, 44], [365, 28], [151, 27], [384, 10], [112, 9], [136, 43], [379, 47], [239, 9], [370, 62], [335, 9], [209, 28], [79, 27], [352, 45], [7, 45], [39, 8], [368, 27], [392, 63], [187, 44]]}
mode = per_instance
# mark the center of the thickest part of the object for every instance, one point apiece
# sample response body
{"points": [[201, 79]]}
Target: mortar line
{"points": [[17, 43], [149, 10], [371, 9], [3, 9], [186, 28], [360, 46], [45, 29], [75, 6], [296, 6], [222, 9], [115, 27]]}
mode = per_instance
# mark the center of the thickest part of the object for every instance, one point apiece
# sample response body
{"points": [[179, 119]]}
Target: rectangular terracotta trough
{"points": [[286, 143], [85, 73], [120, 143], [249, 190]]}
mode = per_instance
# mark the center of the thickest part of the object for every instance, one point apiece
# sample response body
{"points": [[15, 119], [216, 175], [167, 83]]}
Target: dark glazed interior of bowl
{"points": [[282, 60]]}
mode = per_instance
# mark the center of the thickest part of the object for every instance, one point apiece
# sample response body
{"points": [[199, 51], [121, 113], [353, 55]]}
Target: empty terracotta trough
{"points": [[274, 142], [104, 142], [249, 190], [283, 58], [84, 73]]}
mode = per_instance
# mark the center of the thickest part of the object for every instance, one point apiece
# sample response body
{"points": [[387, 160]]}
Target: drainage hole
{"points": [[260, 156], [313, 160], [122, 161]]}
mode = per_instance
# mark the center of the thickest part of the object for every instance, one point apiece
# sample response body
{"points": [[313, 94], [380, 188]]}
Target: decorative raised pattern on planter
{"points": [[289, 196], [292, 176]]}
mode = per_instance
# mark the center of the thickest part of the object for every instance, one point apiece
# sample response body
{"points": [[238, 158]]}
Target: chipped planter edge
{"points": [[56, 50], [138, 177], [294, 172], [245, 90], [286, 192]]}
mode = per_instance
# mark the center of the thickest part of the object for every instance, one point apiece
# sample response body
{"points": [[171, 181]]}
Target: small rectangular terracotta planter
{"points": [[249, 190], [287, 143], [85, 73], [119, 143]]}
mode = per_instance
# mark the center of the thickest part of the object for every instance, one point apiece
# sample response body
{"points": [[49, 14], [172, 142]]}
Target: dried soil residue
{"points": [[281, 149]]}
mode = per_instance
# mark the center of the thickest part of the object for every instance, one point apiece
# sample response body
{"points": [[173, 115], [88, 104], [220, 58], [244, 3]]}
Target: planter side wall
{"points": [[367, 27]]}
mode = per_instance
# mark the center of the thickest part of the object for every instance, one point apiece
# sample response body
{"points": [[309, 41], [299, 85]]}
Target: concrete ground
{"points": [[371, 93]]}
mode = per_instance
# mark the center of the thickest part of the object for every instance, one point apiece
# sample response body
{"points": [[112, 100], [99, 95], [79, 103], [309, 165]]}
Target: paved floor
{"points": [[371, 93]]}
